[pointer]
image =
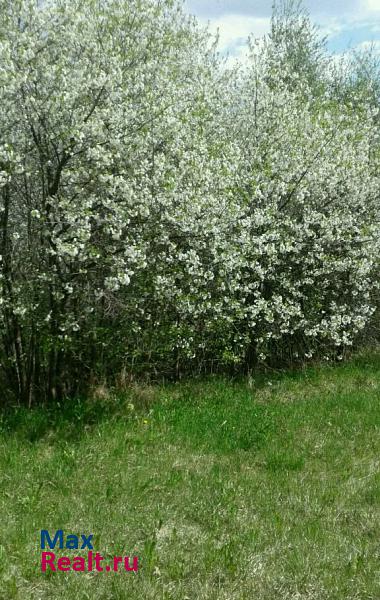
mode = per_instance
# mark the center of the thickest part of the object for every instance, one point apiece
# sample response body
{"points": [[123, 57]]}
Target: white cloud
{"points": [[234, 31], [370, 45], [331, 27], [371, 5], [343, 22]]}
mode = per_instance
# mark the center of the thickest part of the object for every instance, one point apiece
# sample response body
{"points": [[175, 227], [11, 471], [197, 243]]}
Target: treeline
{"points": [[161, 213]]}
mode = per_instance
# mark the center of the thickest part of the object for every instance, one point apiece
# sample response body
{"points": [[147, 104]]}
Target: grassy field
{"points": [[224, 490]]}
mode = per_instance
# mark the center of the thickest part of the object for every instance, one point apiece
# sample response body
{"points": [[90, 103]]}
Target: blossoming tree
{"points": [[159, 212]]}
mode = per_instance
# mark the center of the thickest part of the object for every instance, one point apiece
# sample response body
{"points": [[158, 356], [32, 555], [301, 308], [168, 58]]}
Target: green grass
{"points": [[224, 490]]}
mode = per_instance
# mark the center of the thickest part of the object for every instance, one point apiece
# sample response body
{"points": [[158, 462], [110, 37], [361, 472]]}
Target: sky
{"points": [[347, 23]]}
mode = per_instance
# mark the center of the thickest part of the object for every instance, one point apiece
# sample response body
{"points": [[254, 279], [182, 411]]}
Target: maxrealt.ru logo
{"points": [[90, 562]]}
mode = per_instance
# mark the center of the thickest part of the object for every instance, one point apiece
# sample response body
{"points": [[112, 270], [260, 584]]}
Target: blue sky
{"points": [[347, 23]]}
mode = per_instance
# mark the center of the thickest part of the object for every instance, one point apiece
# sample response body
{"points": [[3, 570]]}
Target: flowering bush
{"points": [[159, 212]]}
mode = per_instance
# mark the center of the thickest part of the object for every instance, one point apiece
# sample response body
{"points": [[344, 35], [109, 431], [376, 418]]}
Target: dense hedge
{"points": [[161, 213]]}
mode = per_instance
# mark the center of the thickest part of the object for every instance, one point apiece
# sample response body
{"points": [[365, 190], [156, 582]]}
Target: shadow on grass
{"points": [[193, 407], [67, 420]]}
